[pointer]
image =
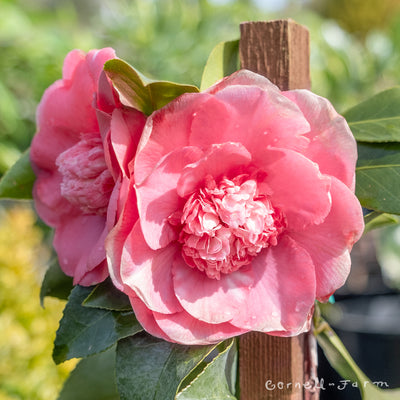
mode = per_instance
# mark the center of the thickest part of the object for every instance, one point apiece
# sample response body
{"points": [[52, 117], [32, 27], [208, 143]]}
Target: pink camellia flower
{"points": [[247, 213], [74, 159]]}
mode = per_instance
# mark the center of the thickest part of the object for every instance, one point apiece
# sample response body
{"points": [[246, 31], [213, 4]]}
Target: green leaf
{"points": [[106, 296], [223, 61], [216, 380], [55, 283], [342, 362], [142, 93], [152, 369], [9, 153], [17, 183], [92, 379], [378, 176], [84, 331], [376, 219], [378, 118]]}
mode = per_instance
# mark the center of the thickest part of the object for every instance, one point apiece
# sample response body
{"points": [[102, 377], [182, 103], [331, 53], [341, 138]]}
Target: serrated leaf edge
{"points": [[84, 303], [227, 348], [86, 327]]}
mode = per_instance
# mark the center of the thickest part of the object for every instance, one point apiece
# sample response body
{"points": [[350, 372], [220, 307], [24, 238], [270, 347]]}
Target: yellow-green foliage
{"points": [[360, 16], [27, 331]]}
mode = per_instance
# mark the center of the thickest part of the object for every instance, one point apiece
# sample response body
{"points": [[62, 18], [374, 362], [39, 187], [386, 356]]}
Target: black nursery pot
{"points": [[369, 327]]}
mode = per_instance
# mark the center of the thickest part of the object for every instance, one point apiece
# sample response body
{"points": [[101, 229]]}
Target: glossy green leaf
{"points": [[85, 331], [17, 182], [142, 93], [223, 61], [378, 176], [106, 296], [152, 369], [92, 379], [217, 378], [55, 283], [342, 362], [376, 219], [378, 118]]}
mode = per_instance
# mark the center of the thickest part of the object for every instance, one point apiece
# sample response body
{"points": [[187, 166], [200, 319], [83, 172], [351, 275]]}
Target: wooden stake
{"points": [[280, 51]]}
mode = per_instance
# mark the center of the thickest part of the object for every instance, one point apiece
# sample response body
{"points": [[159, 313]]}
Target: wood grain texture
{"points": [[265, 362], [280, 51]]}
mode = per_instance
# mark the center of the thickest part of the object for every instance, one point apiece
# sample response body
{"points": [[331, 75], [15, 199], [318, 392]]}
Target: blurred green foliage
{"points": [[166, 40], [33, 40], [169, 40]]}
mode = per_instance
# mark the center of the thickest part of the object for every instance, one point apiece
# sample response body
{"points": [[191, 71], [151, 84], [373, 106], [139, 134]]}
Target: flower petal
{"points": [[126, 128], [106, 97], [243, 77], [94, 276], [116, 238], [71, 62], [183, 328], [210, 300], [158, 197], [251, 116], [266, 118], [76, 249], [146, 318], [332, 145], [148, 272], [165, 131], [220, 160], [329, 243], [305, 328], [299, 189], [283, 292], [96, 60], [66, 109]]}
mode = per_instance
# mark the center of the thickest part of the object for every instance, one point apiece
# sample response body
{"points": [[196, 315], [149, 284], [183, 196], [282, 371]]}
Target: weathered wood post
{"points": [[280, 51]]}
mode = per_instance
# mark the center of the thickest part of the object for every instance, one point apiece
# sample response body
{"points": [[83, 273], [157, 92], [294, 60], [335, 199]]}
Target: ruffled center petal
{"points": [[86, 181], [225, 225]]}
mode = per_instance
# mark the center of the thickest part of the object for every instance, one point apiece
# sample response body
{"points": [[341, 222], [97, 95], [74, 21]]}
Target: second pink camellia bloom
{"points": [[76, 158], [247, 213]]}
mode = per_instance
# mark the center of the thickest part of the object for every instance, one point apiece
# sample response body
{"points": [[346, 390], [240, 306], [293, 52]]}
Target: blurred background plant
{"points": [[355, 52], [27, 330]]}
